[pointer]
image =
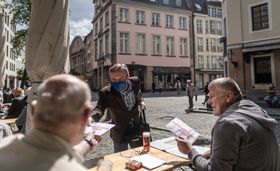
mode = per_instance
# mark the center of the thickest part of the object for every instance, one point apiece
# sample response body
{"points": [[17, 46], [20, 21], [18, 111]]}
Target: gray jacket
{"points": [[243, 139]]}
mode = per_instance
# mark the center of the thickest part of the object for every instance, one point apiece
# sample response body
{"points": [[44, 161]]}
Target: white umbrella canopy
{"points": [[2, 52], [47, 44]]}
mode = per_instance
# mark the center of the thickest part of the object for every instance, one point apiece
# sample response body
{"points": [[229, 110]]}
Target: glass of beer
{"points": [[146, 141]]}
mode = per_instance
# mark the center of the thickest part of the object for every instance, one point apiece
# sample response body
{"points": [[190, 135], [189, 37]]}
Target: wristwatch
{"points": [[89, 142]]}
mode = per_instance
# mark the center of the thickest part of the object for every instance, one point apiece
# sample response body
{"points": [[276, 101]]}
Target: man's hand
{"points": [[184, 147], [143, 105]]}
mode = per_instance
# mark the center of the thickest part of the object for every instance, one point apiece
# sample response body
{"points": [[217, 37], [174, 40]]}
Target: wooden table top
{"points": [[119, 159], [8, 121]]}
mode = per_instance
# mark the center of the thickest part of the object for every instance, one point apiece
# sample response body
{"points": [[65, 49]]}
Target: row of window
{"points": [[212, 62], [211, 27], [156, 44], [215, 12], [155, 19], [211, 45], [12, 66], [12, 54]]}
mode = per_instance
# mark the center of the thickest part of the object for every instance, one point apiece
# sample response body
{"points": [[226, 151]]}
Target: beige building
{"points": [[208, 49], [252, 38], [10, 62]]}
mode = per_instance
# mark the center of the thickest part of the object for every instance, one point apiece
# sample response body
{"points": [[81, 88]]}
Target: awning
{"points": [[171, 70]]}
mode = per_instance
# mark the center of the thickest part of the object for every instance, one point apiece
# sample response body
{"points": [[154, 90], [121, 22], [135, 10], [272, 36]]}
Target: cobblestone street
{"points": [[160, 110]]}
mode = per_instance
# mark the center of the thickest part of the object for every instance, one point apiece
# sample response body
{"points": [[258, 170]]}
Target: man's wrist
{"points": [[89, 142]]}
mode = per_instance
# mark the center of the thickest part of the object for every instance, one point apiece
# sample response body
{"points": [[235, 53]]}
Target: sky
{"points": [[81, 15]]}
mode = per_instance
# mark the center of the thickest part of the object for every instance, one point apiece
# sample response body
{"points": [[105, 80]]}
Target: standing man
{"points": [[60, 116], [243, 137], [205, 92], [178, 87], [191, 91], [122, 97], [160, 86]]}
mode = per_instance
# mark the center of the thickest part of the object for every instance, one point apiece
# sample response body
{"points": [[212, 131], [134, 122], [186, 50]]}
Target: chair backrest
{"points": [[5, 131]]}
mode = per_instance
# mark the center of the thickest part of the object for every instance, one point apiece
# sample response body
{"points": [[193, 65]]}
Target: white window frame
{"points": [[124, 15], [140, 43], [169, 45], [124, 42], [169, 21], [155, 19], [182, 22], [183, 46], [140, 17], [156, 45], [250, 17]]}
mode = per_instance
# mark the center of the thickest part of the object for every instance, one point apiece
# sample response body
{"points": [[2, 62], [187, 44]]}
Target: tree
{"points": [[21, 10], [22, 75]]}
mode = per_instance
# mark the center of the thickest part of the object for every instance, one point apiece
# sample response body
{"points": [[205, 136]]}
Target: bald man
{"points": [[60, 116]]}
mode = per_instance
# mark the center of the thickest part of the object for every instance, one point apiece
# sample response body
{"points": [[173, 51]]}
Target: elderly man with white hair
{"points": [[243, 137], [60, 115]]}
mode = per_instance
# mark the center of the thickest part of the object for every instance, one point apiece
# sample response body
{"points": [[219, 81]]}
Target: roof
{"points": [[171, 4]]}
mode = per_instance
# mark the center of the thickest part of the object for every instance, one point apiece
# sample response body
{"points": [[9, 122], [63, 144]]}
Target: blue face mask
{"points": [[119, 86]]}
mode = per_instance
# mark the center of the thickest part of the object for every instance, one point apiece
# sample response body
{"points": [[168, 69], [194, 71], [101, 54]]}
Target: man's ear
{"points": [[230, 97], [85, 116], [33, 107]]}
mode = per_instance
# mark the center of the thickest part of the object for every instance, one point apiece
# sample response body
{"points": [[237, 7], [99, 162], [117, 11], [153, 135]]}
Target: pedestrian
{"points": [[160, 87], [243, 136], [178, 87], [205, 92], [123, 98], [191, 92], [154, 87], [18, 103], [60, 115]]}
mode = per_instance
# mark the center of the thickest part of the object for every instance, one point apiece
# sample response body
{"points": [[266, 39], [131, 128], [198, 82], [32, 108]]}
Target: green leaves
{"points": [[21, 10]]}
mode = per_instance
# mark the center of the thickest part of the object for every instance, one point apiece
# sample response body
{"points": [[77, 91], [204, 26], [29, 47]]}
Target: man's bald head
{"points": [[61, 98]]}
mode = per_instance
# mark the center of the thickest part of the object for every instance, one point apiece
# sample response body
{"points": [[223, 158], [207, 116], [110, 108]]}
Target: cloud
{"points": [[81, 15], [81, 28]]}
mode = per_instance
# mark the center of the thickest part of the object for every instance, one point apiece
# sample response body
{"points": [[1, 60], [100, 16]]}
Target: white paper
{"points": [[149, 161], [182, 130], [170, 145], [99, 128]]}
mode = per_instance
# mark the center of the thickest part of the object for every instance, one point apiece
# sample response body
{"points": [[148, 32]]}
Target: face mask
{"points": [[119, 86]]}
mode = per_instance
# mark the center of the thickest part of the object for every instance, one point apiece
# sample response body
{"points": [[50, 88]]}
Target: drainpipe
{"points": [[193, 43]]}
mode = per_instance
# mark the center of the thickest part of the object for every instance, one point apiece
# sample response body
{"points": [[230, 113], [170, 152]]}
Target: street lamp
{"points": [[230, 57]]}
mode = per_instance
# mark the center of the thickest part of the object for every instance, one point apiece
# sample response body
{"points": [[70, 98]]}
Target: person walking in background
{"points": [[154, 87], [205, 92], [124, 100], [18, 103], [60, 116], [191, 92], [160, 86], [243, 136], [178, 87]]}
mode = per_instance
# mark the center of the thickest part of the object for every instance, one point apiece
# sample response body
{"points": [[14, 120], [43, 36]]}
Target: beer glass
{"points": [[146, 141]]}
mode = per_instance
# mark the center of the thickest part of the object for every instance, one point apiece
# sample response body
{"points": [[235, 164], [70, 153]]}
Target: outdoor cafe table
{"points": [[119, 159], [8, 121]]}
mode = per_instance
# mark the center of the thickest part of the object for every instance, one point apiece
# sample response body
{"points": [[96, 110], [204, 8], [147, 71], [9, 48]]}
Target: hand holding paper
{"points": [[182, 130]]}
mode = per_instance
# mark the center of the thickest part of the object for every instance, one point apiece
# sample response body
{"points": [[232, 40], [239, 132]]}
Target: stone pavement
{"points": [[160, 110]]}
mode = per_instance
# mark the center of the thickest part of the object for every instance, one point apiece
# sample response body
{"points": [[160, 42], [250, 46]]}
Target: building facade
{"points": [[252, 39], [77, 57], [208, 49], [151, 36], [11, 62]]}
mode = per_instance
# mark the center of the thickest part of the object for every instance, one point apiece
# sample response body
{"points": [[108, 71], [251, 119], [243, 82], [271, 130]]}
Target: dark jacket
{"points": [[243, 139], [16, 107], [111, 99]]}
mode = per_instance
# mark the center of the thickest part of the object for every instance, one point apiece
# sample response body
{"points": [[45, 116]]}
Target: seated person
{"points": [[59, 124], [18, 103]]}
